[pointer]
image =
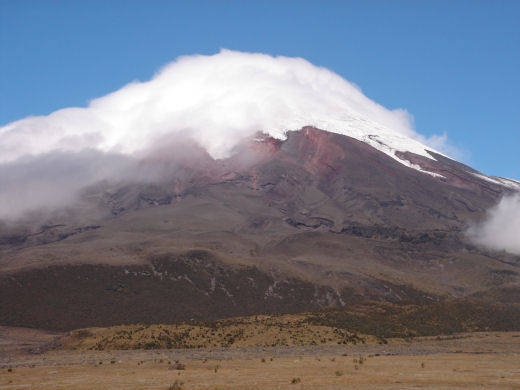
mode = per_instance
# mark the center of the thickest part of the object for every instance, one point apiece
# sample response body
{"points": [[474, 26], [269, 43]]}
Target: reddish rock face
{"points": [[318, 152], [362, 184]]}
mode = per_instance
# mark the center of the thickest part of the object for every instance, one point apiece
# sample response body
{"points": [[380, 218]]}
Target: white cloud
{"points": [[501, 229], [216, 101], [54, 180]]}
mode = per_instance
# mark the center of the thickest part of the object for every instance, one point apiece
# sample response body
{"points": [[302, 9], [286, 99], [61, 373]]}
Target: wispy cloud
{"points": [[55, 180], [501, 229]]}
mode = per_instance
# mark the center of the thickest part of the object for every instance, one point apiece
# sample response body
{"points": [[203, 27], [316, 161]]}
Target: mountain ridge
{"points": [[321, 210]]}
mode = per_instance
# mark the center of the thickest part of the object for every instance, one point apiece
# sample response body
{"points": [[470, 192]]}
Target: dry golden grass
{"points": [[438, 371], [489, 360]]}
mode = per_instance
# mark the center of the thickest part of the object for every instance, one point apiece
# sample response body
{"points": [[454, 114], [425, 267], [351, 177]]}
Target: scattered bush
{"points": [[177, 385], [177, 366]]}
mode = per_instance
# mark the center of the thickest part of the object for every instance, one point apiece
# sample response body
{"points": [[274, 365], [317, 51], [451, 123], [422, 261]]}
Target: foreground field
{"points": [[320, 372], [464, 361]]}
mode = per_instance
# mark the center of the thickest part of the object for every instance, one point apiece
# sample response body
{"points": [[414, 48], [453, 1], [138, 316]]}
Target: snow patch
{"points": [[502, 181]]}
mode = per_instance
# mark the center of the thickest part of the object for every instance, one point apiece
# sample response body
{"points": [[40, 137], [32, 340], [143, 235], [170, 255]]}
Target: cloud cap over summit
{"points": [[216, 100]]}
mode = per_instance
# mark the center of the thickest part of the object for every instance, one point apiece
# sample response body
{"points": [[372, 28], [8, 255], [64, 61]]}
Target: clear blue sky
{"points": [[454, 65]]}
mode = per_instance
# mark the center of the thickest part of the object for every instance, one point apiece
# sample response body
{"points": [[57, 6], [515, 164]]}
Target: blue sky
{"points": [[452, 64]]}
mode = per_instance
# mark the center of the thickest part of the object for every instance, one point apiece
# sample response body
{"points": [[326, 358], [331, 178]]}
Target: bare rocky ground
{"points": [[462, 361]]}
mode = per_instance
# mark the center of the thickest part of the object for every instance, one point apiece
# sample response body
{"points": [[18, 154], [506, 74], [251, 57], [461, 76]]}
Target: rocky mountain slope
{"points": [[281, 226]]}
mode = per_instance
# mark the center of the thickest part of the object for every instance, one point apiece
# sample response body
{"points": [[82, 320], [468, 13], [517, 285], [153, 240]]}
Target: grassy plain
{"points": [[489, 360], [434, 371]]}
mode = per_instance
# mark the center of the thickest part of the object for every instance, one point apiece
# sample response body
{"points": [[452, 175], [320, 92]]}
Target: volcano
{"points": [[242, 184], [317, 219]]}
